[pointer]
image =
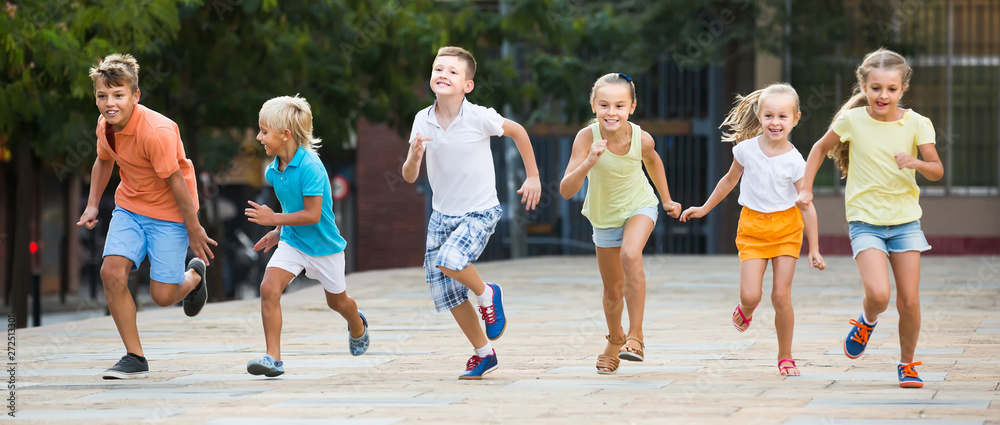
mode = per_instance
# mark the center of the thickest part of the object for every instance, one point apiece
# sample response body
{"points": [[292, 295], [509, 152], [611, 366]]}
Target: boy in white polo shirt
{"points": [[456, 137]]}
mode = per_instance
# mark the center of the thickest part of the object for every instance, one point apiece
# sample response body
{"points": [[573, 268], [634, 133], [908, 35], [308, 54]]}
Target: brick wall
{"points": [[391, 222]]}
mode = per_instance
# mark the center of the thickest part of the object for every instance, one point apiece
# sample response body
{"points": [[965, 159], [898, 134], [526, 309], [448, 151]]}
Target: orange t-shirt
{"points": [[148, 150]]}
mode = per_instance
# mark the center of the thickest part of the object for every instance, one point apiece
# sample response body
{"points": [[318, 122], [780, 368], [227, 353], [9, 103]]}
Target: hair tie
{"points": [[626, 77]]}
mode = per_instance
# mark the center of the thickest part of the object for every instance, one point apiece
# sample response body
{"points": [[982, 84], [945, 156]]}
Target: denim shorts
{"points": [[612, 236], [133, 236], [896, 238]]}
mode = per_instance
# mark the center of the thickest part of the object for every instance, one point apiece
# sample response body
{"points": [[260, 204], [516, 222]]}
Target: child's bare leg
{"points": [[906, 270], [613, 276], [166, 294], [634, 237], [468, 276], [751, 287], [114, 274], [348, 308], [783, 268], [874, 269], [274, 283], [468, 320]]}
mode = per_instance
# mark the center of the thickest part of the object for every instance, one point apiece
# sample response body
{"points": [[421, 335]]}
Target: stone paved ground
{"points": [[698, 368]]}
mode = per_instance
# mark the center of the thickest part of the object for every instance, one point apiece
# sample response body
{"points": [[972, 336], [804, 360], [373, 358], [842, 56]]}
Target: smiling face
{"points": [[115, 103], [274, 141], [883, 88], [778, 115], [613, 104], [449, 76]]}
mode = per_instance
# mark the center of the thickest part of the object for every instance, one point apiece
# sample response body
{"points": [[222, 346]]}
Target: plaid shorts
{"points": [[455, 242]]}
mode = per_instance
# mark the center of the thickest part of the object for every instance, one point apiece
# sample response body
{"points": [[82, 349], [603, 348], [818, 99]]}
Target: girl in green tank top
{"points": [[621, 206]]}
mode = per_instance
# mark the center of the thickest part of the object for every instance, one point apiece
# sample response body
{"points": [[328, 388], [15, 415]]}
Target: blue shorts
{"points": [[612, 237], [132, 236], [454, 242], [897, 238]]}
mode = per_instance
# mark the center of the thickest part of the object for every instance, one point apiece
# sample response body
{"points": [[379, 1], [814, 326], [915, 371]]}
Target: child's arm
{"points": [[816, 155], [198, 239], [531, 190], [930, 167], [585, 154], [99, 177], [654, 165], [265, 216], [411, 168], [722, 189], [812, 235]]}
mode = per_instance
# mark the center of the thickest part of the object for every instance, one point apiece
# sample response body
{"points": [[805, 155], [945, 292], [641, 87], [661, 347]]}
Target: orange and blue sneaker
{"points": [[908, 376], [477, 366], [493, 315], [857, 339]]}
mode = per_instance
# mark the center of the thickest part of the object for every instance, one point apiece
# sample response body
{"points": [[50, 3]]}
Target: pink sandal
{"points": [[786, 370], [746, 322]]}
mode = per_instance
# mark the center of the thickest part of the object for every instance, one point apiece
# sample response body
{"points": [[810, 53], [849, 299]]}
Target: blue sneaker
{"points": [[266, 366], [493, 315], [908, 376], [358, 345], [857, 339], [477, 366]]}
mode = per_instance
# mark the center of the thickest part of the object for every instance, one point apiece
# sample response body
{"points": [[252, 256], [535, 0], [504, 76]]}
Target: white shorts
{"points": [[328, 270]]}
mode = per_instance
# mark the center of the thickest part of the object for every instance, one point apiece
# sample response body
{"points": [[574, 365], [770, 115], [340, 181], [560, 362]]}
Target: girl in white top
{"points": [[770, 226]]}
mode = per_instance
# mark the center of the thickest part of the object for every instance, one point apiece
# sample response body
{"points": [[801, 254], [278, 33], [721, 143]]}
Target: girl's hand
{"points": [[672, 208], [904, 161], [269, 240], [693, 212], [260, 214], [596, 150], [816, 260], [804, 199], [531, 192]]}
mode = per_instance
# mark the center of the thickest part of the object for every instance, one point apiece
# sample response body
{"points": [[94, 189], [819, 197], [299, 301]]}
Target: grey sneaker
{"points": [[129, 367], [198, 296]]}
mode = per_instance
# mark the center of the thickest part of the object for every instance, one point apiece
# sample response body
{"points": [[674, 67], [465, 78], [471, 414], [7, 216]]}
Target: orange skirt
{"points": [[769, 235]]}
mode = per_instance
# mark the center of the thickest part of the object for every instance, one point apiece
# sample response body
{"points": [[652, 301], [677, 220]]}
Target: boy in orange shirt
{"points": [[156, 207]]}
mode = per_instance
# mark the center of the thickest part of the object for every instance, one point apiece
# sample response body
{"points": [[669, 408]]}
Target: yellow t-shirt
{"points": [[878, 192], [616, 185]]}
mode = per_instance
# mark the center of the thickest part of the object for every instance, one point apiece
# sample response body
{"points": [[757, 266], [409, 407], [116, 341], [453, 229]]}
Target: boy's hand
{"points": [[417, 147], [531, 192], [198, 240], [672, 208], [596, 149], [693, 212], [260, 214], [816, 260], [904, 161], [89, 218], [804, 199], [269, 240]]}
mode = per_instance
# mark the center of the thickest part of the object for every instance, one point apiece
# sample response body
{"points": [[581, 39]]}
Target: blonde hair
{"points": [[117, 70], [463, 55], [880, 59], [291, 113], [612, 78], [743, 121]]}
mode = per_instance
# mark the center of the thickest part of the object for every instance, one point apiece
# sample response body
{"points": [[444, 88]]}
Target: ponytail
{"points": [[742, 120]]}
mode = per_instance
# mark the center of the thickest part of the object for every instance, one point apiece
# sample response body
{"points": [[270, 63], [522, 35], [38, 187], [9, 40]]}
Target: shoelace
{"points": [[861, 336], [908, 371], [473, 362], [489, 314]]}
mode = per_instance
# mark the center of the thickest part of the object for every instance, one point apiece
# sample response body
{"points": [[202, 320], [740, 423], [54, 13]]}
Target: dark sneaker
{"points": [[857, 339], [493, 315], [130, 366], [908, 376], [477, 366], [198, 296], [266, 366], [358, 345]]}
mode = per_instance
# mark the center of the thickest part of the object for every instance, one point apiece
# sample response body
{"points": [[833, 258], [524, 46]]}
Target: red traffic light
{"points": [[33, 247]]}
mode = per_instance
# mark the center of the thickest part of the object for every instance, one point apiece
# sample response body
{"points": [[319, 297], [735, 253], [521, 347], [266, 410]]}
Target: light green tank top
{"points": [[616, 185]]}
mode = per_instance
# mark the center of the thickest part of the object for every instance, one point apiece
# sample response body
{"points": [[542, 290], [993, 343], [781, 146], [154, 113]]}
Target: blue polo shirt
{"points": [[304, 176]]}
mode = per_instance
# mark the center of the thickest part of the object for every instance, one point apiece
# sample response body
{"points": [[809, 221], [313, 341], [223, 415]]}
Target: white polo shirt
{"points": [[768, 183], [459, 159]]}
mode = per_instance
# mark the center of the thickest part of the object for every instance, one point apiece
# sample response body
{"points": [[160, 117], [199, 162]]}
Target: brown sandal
{"points": [[608, 365], [632, 354]]}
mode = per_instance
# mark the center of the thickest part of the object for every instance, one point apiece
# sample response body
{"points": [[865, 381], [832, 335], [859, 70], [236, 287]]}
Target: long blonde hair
{"points": [[879, 59], [742, 120]]}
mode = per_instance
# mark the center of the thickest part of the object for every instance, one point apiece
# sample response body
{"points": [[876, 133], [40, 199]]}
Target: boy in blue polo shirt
{"points": [[306, 234]]}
